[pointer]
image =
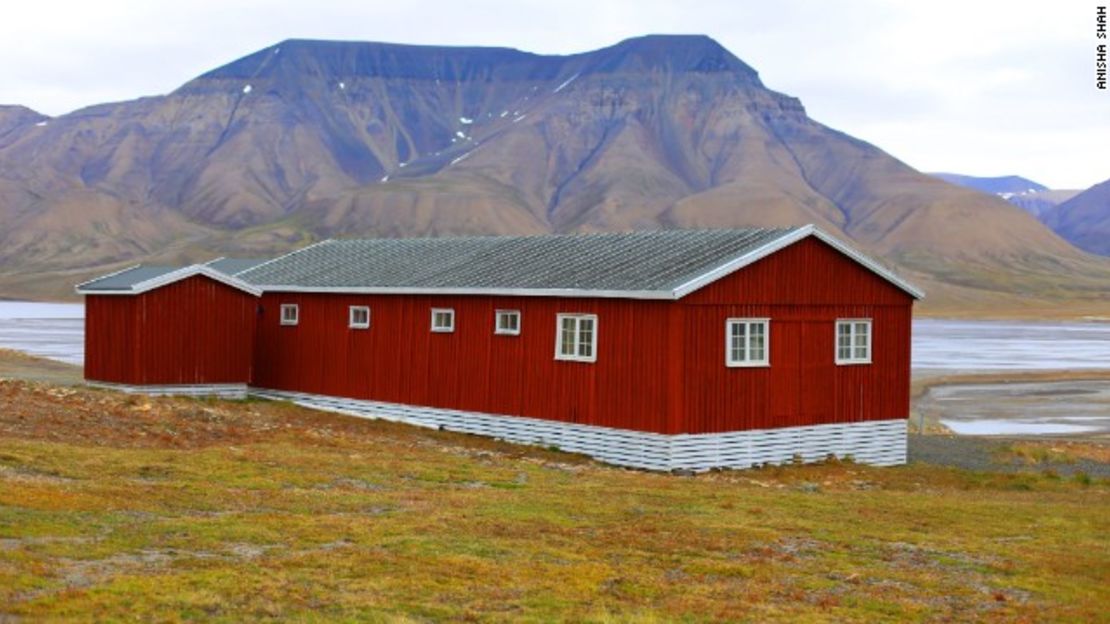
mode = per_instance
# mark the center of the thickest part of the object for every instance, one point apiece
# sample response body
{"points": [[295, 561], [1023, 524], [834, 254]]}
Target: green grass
{"points": [[381, 522]]}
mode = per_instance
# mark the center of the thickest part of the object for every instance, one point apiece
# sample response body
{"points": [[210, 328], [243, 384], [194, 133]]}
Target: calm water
{"points": [[56, 331], [1003, 345]]}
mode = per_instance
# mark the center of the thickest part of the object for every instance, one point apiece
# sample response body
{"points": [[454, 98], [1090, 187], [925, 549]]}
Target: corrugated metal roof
{"points": [[633, 261], [664, 264]]}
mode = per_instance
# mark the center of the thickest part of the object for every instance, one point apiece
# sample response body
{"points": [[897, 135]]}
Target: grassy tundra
{"points": [[118, 507]]}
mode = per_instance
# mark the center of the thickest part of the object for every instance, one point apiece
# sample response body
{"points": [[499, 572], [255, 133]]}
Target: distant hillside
{"points": [[1032, 197], [1040, 203], [994, 186], [1081, 217], [311, 139], [12, 117], [1085, 219]]}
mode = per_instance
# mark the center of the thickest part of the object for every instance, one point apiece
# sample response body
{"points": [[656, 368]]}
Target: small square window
{"points": [[853, 341], [290, 314], [747, 342], [443, 320], [507, 323], [576, 337], [358, 317]]}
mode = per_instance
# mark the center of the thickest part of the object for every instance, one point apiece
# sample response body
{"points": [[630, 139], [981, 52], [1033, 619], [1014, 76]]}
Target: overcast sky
{"points": [[982, 88]]}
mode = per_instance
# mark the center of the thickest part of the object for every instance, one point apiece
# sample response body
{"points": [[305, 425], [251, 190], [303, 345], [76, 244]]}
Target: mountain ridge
{"points": [[697, 53]]}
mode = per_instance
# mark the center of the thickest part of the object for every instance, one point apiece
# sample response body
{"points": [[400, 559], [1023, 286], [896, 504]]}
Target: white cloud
{"points": [[983, 88]]}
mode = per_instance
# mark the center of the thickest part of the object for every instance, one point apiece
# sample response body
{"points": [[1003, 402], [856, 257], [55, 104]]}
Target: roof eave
{"points": [[78, 287], [789, 238], [868, 262], [501, 292]]}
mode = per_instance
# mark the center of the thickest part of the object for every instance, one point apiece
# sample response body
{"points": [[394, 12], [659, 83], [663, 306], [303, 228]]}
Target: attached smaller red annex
{"points": [[669, 349]]}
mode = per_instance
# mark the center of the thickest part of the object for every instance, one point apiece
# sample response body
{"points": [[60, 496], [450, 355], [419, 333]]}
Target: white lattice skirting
{"points": [[880, 443]]}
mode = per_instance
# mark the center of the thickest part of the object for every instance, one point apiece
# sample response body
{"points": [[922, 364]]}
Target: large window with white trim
{"points": [[358, 317], [576, 337], [443, 320], [747, 342], [507, 322], [290, 314], [853, 341]]}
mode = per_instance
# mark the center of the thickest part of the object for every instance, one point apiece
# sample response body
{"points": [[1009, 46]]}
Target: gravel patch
{"points": [[974, 453]]}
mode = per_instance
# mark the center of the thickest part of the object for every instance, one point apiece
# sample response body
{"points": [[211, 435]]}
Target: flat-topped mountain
{"points": [[311, 139]]}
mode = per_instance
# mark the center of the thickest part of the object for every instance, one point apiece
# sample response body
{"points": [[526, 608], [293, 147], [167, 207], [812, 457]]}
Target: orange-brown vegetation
{"points": [[129, 507]]}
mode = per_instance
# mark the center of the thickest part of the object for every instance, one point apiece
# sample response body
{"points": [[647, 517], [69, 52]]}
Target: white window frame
{"points": [[289, 322], [749, 362], [559, 355], [443, 329], [852, 332], [352, 323], [498, 329]]}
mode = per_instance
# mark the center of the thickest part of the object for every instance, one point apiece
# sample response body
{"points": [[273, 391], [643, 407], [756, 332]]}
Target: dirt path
{"points": [[1052, 456]]}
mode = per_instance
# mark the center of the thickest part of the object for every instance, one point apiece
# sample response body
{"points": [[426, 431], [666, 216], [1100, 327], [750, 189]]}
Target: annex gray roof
{"points": [[664, 264], [127, 278]]}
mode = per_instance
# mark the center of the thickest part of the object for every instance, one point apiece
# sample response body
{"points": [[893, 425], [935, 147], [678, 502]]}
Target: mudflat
{"points": [[1057, 404]]}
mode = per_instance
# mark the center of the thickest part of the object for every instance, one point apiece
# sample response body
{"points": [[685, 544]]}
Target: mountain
{"points": [[12, 117], [1034, 198], [311, 139], [1085, 219]]}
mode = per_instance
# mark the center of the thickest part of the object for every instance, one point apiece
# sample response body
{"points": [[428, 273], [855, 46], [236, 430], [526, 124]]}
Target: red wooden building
{"points": [[171, 330], [669, 349]]}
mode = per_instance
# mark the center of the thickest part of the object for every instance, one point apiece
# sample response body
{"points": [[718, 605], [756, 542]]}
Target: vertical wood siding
{"points": [[111, 338], [196, 331], [803, 289], [400, 360]]}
